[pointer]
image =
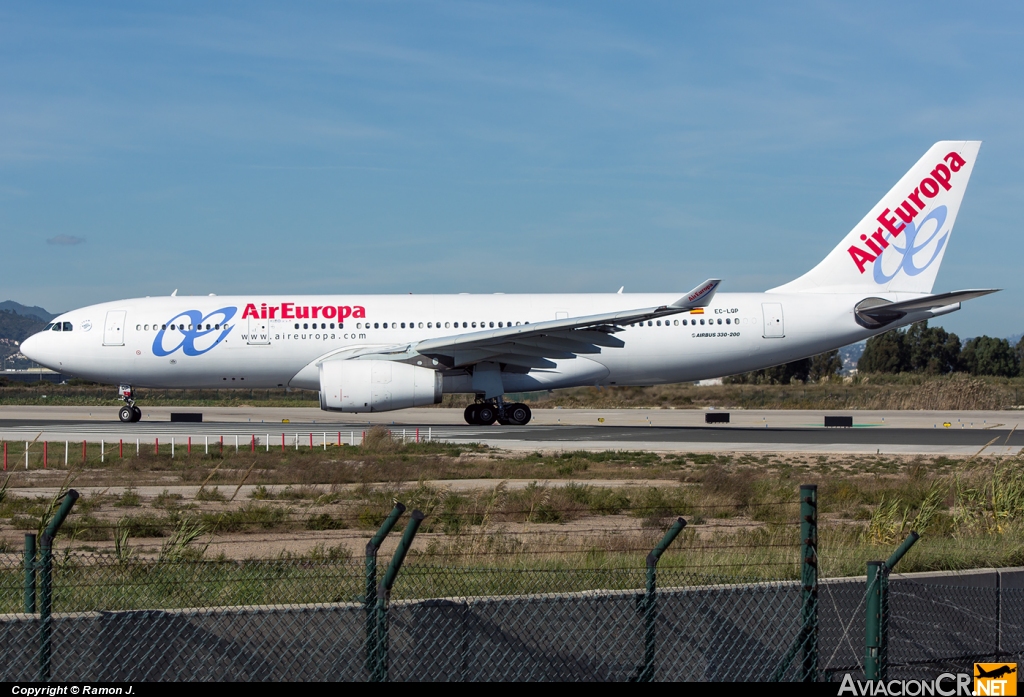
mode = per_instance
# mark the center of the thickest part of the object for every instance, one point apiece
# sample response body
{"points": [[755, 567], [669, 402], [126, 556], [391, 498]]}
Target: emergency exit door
{"points": [[774, 327], [259, 331], [113, 328]]}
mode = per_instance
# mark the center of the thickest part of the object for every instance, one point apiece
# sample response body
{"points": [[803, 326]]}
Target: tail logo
{"points": [[192, 332], [891, 227], [911, 233]]}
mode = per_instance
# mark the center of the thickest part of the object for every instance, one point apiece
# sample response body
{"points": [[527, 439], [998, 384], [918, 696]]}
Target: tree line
{"points": [[934, 351], [915, 349]]}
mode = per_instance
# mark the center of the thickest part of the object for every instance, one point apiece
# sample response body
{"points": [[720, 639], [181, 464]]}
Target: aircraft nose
{"points": [[30, 348]]}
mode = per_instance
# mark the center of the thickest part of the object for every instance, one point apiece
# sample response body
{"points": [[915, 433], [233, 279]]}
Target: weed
{"points": [[324, 521], [129, 499], [213, 494]]}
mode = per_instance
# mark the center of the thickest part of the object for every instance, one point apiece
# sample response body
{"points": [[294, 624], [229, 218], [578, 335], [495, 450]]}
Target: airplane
{"points": [[994, 673], [373, 353]]}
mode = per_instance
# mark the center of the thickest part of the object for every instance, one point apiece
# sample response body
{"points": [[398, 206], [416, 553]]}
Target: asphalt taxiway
{"points": [[906, 432]]}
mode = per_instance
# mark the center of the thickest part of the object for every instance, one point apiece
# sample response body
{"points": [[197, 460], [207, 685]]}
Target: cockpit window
{"points": [[48, 327], [56, 327], [67, 326]]}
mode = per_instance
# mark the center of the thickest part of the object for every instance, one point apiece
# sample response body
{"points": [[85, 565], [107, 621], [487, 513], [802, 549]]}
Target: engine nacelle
{"points": [[364, 386]]}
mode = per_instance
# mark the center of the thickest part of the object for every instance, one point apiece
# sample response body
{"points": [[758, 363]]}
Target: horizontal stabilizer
{"points": [[874, 313]]}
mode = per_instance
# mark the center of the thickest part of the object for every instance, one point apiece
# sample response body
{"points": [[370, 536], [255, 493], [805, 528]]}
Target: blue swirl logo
{"points": [[193, 339], [913, 245]]}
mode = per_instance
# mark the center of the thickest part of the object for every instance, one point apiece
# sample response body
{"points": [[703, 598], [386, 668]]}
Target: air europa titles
{"points": [[914, 203], [293, 311]]}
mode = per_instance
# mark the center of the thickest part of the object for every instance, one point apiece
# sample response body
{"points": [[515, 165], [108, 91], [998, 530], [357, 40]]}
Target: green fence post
{"points": [[809, 581], [30, 572], [380, 673], [370, 589], [46, 582], [648, 602], [892, 561], [873, 621]]}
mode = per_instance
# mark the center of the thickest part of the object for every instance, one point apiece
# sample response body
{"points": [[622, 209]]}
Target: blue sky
{"points": [[475, 147]]}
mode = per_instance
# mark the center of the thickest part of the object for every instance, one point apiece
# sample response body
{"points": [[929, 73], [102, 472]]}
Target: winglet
{"points": [[700, 296]]}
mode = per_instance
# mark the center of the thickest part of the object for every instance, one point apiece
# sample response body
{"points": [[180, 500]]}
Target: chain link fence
{"points": [[92, 616]]}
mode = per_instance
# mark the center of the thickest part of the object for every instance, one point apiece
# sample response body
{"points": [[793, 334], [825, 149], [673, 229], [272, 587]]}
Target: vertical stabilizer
{"points": [[899, 244]]}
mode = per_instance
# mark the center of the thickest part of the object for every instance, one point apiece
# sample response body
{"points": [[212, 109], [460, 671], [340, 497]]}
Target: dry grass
{"points": [[550, 509]]}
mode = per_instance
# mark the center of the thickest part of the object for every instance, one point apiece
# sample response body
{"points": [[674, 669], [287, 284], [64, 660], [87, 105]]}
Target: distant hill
{"points": [[850, 355], [37, 312], [17, 327]]}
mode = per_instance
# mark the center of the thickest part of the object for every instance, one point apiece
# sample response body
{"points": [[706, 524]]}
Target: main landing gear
{"points": [[129, 413], [487, 412]]}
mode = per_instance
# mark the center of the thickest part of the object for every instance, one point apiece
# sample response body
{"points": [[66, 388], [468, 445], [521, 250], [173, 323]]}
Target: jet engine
{"points": [[364, 386]]}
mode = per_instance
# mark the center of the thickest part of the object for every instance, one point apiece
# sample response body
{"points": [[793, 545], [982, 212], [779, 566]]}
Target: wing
{"points": [[535, 345]]}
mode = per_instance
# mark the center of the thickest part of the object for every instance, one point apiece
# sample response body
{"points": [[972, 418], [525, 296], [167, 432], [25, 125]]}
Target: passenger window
{"points": [[675, 322], [650, 323], [517, 324], [465, 325], [403, 325], [376, 326], [146, 328], [719, 321], [492, 325], [474, 325], [421, 325], [659, 322], [305, 325], [332, 325], [429, 325], [163, 327], [138, 327], [296, 325], [216, 326], [728, 320], [446, 325], [702, 323], [684, 322]]}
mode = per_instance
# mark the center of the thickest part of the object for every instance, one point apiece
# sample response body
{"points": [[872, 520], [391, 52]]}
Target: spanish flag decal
{"points": [[698, 311]]}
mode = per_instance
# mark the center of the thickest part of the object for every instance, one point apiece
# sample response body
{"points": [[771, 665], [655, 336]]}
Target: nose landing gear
{"points": [[488, 411], [129, 413]]}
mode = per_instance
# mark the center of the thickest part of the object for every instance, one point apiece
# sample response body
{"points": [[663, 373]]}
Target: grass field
{"points": [[956, 391], [497, 510]]}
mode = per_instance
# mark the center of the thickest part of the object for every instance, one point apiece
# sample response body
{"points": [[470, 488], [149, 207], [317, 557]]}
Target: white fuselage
{"points": [[261, 342]]}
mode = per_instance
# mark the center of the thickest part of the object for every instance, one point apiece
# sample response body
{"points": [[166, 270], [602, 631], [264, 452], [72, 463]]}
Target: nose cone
{"points": [[30, 348], [37, 348]]}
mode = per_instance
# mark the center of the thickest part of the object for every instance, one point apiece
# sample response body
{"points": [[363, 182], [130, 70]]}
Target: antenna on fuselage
{"points": [[175, 293], [619, 291]]}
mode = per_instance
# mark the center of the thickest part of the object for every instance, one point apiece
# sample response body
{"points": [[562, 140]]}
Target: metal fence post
{"points": [[648, 603], [873, 621], [30, 572], [809, 581], [370, 589], [380, 673], [890, 563], [46, 582]]}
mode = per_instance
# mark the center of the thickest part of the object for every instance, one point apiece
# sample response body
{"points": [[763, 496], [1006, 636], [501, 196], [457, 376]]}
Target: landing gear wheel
{"points": [[470, 415], [486, 414], [518, 414], [136, 415], [126, 414]]}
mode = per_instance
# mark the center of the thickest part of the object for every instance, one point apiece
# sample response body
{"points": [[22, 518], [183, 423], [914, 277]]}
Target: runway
{"points": [[933, 433]]}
